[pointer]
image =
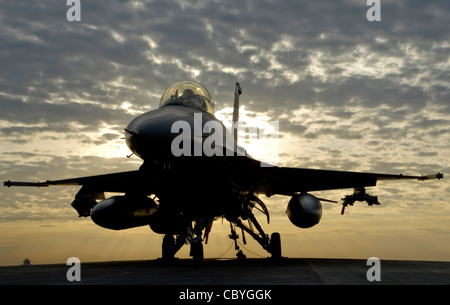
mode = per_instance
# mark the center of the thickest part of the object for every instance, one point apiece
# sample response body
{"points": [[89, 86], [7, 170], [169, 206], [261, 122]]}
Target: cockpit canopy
{"points": [[190, 94]]}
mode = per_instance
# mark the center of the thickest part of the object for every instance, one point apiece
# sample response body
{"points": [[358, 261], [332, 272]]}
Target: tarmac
{"points": [[235, 272]]}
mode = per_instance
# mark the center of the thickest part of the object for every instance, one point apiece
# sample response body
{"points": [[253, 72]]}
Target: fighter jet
{"points": [[194, 173]]}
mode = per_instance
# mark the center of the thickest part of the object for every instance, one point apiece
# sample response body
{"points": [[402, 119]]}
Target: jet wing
{"points": [[266, 180], [115, 182], [287, 181]]}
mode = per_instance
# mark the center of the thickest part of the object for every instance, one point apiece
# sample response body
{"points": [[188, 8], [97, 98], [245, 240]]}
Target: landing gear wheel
{"points": [[168, 247], [197, 250], [275, 246]]}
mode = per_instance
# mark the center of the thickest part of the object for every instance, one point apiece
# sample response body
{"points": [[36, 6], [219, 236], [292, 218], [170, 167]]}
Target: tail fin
{"points": [[237, 92]]}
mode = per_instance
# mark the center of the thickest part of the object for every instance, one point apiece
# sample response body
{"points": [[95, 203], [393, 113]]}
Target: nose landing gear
{"points": [[192, 235]]}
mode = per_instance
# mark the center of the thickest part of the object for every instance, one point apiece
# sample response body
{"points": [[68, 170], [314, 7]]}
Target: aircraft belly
{"points": [[196, 192]]}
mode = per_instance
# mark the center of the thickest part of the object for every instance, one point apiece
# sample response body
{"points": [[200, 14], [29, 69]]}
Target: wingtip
{"points": [[438, 176]]}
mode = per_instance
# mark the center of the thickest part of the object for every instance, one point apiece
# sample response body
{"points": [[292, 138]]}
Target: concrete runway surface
{"points": [[288, 271]]}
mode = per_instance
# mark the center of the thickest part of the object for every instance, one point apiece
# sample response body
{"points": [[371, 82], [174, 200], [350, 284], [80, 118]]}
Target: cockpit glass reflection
{"points": [[188, 94]]}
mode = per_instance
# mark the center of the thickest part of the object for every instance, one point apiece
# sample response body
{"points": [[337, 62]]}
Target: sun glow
{"points": [[259, 136]]}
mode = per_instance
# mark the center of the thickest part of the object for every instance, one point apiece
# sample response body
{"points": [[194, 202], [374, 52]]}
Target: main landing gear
{"points": [[171, 244], [193, 233], [272, 244], [197, 250]]}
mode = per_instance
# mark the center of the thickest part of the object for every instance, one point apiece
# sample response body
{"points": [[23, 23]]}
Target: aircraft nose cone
{"points": [[150, 124], [150, 135]]}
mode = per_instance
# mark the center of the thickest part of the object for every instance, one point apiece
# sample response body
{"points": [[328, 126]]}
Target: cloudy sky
{"points": [[348, 94]]}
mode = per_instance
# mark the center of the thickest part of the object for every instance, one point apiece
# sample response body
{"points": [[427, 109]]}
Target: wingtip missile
{"points": [[10, 183], [438, 176]]}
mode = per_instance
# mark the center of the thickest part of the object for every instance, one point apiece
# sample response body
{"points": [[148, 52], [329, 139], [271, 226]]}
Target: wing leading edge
{"points": [[269, 181], [288, 181], [264, 180], [115, 182]]}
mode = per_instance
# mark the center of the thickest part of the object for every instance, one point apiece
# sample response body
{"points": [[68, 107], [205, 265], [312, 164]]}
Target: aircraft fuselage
{"points": [[193, 183], [161, 135]]}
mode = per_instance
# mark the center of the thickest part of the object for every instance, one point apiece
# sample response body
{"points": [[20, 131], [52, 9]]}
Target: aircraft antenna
{"points": [[237, 93]]}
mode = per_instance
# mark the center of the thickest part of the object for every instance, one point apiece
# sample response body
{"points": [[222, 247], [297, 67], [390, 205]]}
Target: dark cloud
{"points": [[255, 41], [16, 110]]}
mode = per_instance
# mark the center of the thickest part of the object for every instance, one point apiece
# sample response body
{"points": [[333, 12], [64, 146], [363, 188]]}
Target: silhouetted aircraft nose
{"points": [[159, 122], [150, 134]]}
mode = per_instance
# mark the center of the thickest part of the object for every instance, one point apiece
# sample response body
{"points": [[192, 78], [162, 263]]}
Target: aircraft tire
{"points": [[197, 250], [275, 246], [168, 246]]}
